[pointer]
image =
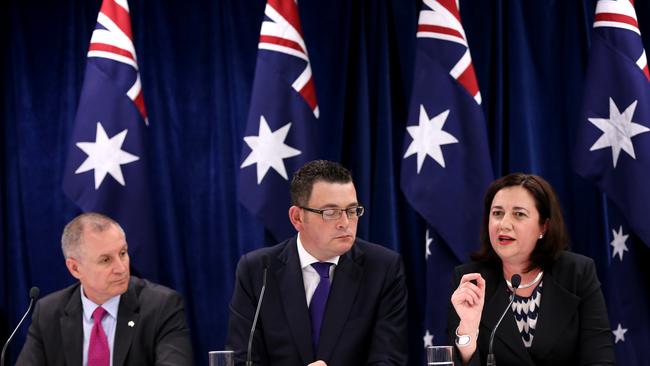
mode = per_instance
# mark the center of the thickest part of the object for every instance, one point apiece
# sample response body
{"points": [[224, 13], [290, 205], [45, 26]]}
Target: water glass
{"points": [[440, 355], [221, 358]]}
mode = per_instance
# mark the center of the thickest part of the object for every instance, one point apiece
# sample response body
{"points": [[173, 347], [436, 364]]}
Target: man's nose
{"points": [[343, 221], [120, 265]]}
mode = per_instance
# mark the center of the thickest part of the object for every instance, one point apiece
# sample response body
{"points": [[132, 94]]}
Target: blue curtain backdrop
{"points": [[197, 60]]}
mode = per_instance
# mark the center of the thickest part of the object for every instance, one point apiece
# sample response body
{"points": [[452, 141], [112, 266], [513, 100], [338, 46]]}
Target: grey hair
{"points": [[71, 237]]}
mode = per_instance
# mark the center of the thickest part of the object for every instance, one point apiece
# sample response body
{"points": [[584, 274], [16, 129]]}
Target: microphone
{"points": [[265, 263], [33, 295], [515, 281]]}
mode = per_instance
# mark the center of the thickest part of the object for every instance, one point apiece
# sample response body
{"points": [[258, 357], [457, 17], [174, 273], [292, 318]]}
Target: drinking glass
{"points": [[440, 355], [221, 358]]}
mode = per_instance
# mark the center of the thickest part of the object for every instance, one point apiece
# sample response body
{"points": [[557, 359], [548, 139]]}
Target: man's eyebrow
{"points": [[331, 205]]}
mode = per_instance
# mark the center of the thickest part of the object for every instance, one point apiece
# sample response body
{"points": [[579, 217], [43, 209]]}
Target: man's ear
{"points": [[296, 218], [73, 267]]}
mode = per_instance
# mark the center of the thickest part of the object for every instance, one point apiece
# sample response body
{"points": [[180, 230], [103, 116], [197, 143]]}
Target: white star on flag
{"points": [[105, 156], [268, 150], [428, 339], [619, 243], [428, 136], [618, 130], [619, 334], [427, 242]]}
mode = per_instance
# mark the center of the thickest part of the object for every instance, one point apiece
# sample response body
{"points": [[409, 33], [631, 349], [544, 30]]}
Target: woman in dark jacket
{"points": [[558, 316]]}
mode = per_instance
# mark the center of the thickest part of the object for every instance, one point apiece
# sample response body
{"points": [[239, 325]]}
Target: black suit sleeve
{"points": [[242, 310], [596, 347], [173, 347], [388, 339], [33, 352]]}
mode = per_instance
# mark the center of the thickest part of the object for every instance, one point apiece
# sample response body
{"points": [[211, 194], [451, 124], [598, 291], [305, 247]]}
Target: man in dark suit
{"points": [[108, 317], [330, 298]]}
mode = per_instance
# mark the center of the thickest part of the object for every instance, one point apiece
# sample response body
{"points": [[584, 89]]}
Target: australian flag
{"points": [[282, 129], [106, 170], [446, 166], [613, 151]]}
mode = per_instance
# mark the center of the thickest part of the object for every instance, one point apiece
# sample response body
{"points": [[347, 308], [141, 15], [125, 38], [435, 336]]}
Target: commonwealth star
{"points": [[268, 150], [618, 130], [428, 137], [105, 156]]}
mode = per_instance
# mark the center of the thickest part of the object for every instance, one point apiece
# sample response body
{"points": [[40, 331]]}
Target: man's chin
{"points": [[345, 242], [121, 285], [120, 290]]}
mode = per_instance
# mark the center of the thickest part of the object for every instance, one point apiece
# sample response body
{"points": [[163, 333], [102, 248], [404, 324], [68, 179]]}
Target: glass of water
{"points": [[440, 355], [221, 358]]}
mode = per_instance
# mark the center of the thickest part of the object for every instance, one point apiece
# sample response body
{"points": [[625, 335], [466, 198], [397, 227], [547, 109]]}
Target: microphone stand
{"points": [[33, 295], [515, 281], [249, 361]]}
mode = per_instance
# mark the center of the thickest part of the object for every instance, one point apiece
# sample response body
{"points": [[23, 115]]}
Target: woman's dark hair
{"points": [[555, 239]]}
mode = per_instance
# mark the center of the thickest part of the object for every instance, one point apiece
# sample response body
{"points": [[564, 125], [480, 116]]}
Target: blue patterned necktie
{"points": [[319, 300]]}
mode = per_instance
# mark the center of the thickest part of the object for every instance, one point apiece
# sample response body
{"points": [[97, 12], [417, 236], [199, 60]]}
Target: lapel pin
{"points": [[131, 323]]}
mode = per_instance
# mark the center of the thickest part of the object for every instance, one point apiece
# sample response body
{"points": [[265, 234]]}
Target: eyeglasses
{"points": [[335, 213]]}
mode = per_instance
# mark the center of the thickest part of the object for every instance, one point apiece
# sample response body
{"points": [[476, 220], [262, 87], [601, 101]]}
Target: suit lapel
{"points": [[128, 315], [292, 293], [72, 330], [508, 333], [347, 279], [557, 308]]}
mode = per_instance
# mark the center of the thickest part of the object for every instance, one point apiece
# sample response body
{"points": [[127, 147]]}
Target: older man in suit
{"points": [[331, 299], [108, 318]]}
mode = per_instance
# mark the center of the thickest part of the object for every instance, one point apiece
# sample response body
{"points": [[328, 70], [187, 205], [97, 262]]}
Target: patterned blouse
{"points": [[526, 310]]}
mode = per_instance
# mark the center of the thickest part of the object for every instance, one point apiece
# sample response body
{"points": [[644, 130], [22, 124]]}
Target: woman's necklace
{"points": [[529, 284]]}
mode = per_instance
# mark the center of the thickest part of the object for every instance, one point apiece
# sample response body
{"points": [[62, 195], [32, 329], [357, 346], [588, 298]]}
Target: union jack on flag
{"points": [[613, 151], [113, 40], [446, 166], [106, 169], [442, 22], [282, 129]]}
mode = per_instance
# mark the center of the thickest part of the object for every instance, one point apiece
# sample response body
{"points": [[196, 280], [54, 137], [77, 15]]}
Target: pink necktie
{"points": [[98, 352]]}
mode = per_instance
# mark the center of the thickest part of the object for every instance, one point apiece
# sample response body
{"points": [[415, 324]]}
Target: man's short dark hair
{"points": [[555, 239], [312, 172]]}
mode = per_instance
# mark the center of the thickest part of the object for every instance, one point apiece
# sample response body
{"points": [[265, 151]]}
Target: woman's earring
{"points": [[541, 236]]}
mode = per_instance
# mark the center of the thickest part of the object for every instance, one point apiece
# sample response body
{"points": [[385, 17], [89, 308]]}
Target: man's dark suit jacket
{"points": [[365, 320], [572, 325], [158, 335]]}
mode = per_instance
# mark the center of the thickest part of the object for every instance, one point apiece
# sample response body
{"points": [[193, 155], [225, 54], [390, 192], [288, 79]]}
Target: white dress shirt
{"points": [[310, 277], [108, 323]]}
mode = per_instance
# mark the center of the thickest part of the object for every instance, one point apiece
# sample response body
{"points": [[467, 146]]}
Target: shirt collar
{"points": [[307, 259], [111, 305]]}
